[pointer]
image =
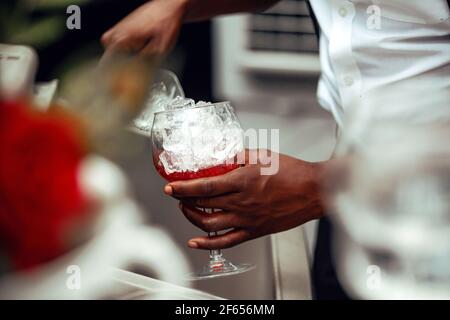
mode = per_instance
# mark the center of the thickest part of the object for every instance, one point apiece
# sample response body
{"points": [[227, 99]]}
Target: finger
{"points": [[106, 38], [152, 48], [106, 57], [227, 202], [227, 240], [210, 222], [125, 43], [204, 187]]}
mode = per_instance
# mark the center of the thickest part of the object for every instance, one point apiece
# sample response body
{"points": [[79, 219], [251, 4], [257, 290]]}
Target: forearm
{"points": [[196, 10], [332, 177]]}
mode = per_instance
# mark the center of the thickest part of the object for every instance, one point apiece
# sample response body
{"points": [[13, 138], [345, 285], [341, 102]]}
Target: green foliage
{"points": [[56, 4], [41, 33], [18, 27]]}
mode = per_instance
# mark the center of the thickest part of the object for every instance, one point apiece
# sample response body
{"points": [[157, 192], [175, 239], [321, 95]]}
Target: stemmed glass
{"points": [[199, 142]]}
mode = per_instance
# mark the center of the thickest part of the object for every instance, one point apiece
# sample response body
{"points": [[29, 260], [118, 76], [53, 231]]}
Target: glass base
{"points": [[220, 268]]}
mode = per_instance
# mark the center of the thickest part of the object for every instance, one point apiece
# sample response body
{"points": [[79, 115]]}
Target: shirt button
{"points": [[343, 12], [348, 81]]}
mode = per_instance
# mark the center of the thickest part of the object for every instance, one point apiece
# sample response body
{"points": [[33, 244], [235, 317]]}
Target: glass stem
{"points": [[215, 255]]}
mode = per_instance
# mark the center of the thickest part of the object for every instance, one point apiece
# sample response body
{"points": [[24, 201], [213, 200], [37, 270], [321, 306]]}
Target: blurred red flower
{"points": [[40, 195]]}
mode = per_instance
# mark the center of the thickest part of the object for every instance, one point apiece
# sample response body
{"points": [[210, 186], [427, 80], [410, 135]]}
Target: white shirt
{"points": [[369, 44]]}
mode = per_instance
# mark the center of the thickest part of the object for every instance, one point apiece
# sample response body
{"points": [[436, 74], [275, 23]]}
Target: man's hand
{"points": [[151, 29], [251, 205]]}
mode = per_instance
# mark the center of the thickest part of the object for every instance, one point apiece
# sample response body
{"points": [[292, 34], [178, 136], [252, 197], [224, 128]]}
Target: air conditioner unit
{"points": [[280, 41]]}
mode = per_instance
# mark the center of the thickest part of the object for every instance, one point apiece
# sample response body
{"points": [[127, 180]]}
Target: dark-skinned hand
{"points": [[251, 205], [152, 29]]}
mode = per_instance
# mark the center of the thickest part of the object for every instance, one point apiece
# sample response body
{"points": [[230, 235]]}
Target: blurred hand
{"points": [[151, 29], [251, 205]]}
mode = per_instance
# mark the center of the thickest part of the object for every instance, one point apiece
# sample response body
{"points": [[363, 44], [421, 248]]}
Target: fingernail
{"points": [[168, 190], [193, 244]]}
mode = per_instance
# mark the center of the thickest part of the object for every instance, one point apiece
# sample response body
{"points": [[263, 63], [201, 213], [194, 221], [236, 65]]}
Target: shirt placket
{"points": [[348, 75]]}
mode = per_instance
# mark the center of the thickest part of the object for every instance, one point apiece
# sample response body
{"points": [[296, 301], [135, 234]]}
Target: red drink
{"points": [[190, 175]]}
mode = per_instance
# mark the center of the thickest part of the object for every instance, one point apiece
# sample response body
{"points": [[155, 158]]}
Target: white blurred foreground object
{"points": [[18, 67], [394, 218], [121, 240], [45, 93], [144, 288], [393, 206]]}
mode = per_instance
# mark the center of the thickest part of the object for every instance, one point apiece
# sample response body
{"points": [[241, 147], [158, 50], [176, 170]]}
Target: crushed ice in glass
{"points": [[197, 138], [193, 138], [162, 98]]}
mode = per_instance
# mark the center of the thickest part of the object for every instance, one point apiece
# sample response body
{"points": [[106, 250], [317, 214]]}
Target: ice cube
{"points": [[204, 144], [167, 162], [180, 103], [199, 138], [158, 100], [202, 104], [176, 140], [232, 144], [177, 162]]}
